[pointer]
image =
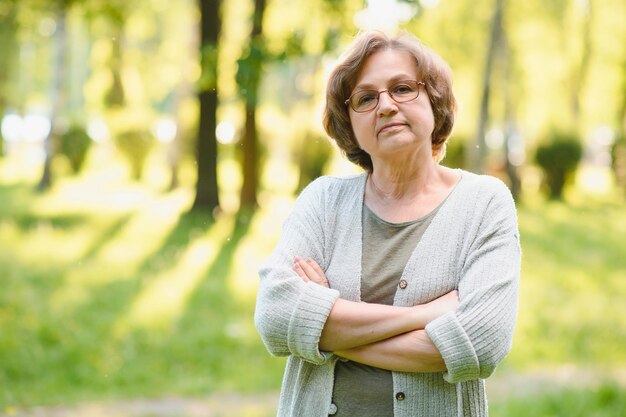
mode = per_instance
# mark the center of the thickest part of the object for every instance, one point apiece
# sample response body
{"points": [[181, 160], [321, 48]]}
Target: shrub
{"points": [[314, 156], [74, 145], [135, 145], [558, 159], [455, 152]]}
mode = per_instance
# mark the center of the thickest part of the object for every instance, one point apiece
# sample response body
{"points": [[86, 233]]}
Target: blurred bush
{"points": [[618, 153], [558, 159], [74, 145], [313, 157], [455, 152], [135, 145]]}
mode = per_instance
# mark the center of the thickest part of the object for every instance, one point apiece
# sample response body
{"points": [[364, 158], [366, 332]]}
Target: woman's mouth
{"points": [[390, 127]]}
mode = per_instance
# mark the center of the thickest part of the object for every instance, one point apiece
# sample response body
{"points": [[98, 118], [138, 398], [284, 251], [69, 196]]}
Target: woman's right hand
{"points": [[440, 306], [309, 270]]}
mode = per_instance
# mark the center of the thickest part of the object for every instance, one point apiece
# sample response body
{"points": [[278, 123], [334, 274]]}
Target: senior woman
{"points": [[393, 292]]}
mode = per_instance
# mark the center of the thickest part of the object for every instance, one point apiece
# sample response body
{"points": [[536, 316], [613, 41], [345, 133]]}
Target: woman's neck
{"points": [[403, 195], [401, 182]]}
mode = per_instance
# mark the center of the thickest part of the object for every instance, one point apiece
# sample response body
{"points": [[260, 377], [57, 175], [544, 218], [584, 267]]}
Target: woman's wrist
{"points": [[420, 316]]}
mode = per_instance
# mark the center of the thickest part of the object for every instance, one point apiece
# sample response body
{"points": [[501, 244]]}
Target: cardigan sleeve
{"points": [[473, 339], [290, 314]]}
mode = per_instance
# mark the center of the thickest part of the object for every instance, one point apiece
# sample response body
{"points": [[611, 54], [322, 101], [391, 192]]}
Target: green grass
{"points": [[110, 290], [573, 288], [121, 302], [605, 401]]}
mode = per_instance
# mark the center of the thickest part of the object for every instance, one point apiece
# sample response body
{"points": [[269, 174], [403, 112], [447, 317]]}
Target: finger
{"points": [[317, 268], [308, 270], [298, 270]]}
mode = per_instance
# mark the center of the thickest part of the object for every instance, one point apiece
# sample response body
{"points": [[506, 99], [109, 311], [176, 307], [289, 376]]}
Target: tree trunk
{"points": [[8, 49], [58, 96], [477, 151], [249, 145], [580, 75], [250, 166], [116, 97], [206, 147], [511, 133]]}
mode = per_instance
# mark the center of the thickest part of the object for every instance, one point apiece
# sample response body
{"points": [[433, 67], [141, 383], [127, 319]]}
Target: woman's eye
{"points": [[402, 89], [365, 98]]}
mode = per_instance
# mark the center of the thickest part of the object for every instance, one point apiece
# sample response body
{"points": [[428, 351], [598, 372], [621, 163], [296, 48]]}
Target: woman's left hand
{"points": [[309, 270]]}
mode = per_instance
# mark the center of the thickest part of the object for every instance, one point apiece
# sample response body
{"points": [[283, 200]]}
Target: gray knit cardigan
{"points": [[471, 245]]}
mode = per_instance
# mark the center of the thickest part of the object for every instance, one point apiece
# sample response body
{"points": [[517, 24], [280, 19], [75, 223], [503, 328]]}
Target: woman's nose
{"points": [[386, 104]]}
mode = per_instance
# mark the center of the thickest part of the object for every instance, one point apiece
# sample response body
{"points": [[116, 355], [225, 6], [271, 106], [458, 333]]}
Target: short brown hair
{"points": [[432, 69]]}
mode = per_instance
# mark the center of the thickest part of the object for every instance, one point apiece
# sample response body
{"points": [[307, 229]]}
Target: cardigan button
{"points": [[400, 396], [332, 409], [403, 284]]}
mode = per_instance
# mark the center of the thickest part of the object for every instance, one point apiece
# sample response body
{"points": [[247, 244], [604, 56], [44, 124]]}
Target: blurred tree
{"points": [[116, 13], [8, 52], [58, 95], [618, 151], [313, 158], [618, 161], [580, 71], [206, 146], [249, 72], [315, 150], [511, 133], [477, 151]]}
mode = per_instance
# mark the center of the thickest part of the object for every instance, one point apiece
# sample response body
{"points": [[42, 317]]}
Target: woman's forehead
{"points": [[386, 66]]}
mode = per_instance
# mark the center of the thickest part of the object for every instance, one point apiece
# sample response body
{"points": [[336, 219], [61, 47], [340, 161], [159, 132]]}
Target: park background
{"points": [[151, 149]]}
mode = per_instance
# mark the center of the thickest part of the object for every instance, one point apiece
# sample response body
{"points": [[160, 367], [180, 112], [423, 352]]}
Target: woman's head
{"points": [[430, 69]]}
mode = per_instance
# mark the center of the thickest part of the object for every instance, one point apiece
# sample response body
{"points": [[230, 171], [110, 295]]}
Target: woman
{"points": [[393, 292]]}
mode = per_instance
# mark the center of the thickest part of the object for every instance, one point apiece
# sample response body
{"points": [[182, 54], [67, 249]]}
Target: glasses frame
{"points": [[379, 92]]}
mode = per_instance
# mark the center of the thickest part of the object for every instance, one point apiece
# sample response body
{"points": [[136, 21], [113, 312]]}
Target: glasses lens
{"points": [[364, 100], [404, 91]]}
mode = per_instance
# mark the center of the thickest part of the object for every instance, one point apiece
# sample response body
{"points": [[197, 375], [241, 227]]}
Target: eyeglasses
{"points": [[366, 100]]}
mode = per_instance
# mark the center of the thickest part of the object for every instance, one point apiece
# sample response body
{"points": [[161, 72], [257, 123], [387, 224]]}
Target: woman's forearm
{"points": [[408, 352], [351, 324]]}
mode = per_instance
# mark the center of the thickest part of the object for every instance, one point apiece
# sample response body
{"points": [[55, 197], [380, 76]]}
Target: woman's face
{"points": [[392, 130]]}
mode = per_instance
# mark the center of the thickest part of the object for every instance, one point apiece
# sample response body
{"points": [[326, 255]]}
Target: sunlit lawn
{"points": [[110, 289]]}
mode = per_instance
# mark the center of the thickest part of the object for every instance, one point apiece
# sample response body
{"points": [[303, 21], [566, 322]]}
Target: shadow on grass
{"points": [[190, 225]]}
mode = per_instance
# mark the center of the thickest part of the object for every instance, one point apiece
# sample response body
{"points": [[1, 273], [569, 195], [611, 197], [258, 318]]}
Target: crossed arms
{"points": [[387, 337]]}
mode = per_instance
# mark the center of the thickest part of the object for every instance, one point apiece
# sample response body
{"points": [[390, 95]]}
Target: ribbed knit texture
{"points": [[471, 245]]}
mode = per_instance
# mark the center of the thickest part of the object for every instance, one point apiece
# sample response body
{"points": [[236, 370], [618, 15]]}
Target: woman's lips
{"points": [[389, 127]]}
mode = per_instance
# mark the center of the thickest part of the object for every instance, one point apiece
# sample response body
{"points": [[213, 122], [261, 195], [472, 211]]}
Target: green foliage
{"points": [[455, 152], [135, 145], [558, 159], [74, 145], [608, 400], [618, 156], [314, 155], [249, 70]]}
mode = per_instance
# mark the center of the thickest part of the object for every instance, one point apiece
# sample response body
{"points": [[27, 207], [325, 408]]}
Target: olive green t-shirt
{"points": [[361, 390]]}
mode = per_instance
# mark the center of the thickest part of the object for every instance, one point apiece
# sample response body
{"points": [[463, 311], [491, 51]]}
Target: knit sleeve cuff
{"points": [[455, 347], [305, 328]]}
